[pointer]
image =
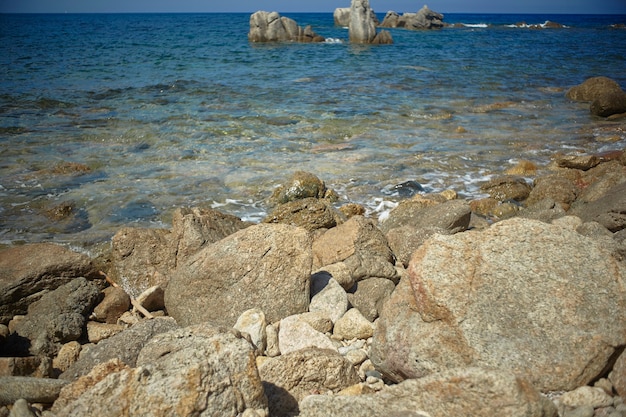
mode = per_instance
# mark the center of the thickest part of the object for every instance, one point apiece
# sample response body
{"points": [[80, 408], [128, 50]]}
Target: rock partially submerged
{"points": [[605, 95], [425, 18], [362, 27], [272, 27]]}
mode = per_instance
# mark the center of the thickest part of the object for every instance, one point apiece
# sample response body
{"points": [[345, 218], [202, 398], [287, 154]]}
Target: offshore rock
{"points": [[272, 27], [200, 370], [24, 280], [341, 16], [265, 266], [458, 392], [606, 96], [423, 19], [508, 297], [609, 104], [363, 22]]}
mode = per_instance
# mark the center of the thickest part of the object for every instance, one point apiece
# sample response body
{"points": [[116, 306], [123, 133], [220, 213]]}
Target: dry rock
{"points": [[369, 296], [296, 334], [508, 297], [33, 390], [23, 281], [152, 299], [265, 266], [453, 216], [115, 303], [99, 331], [457, 392], [252, 322], [353, 325], [586, 396], [328, 297], [289, 378]]}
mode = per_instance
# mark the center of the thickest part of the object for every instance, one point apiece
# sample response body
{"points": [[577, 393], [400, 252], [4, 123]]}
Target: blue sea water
{"points": [[171, 110]]}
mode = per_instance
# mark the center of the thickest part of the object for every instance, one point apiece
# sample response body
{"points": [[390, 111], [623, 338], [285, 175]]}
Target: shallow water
{"points": [[171, 110]]}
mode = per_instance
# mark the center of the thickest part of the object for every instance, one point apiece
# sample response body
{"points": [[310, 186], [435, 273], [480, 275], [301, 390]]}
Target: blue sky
{"points": [[380, 6]]}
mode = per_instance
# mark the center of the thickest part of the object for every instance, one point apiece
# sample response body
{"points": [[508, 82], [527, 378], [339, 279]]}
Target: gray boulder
{"points": [[124, 346], [362, 25], [58, 317], [300, 185], [609, 211], [200, 371], [289, 378], [423, 19], [265, 266], [34, 390], [272, 27], [341, 16], [144, 258], [369, 295], [453, 216], [522, 295], [30, 271], [458, 392]]}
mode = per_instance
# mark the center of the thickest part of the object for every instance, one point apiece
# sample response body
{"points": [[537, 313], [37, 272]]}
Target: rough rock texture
{"points": [[328, 296], [34, 390], [405, 240], [458, 392], [309, 213], [200, 370], [423, 19], [508, 297], [559, 188], [114, 304], [362, 28], [609, 211], [609, 104], [57, 318], [353, 251], [28, 272], [353, 325], [618, 375], [370, 295], [124, 346], [341, 16], [299, 186], [143, 258], [296, 334], [272, 27], [593, 88], [265, 266], [507, 188], [289, 378], [453, 216]]}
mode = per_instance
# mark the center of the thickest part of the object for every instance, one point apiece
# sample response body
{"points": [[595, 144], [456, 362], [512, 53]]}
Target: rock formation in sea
{"points": [[362, 27], [272, 27], [605, 95], [423, 19]]}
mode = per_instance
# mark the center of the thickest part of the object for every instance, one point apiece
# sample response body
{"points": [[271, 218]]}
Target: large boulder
{"points": [[144, 258], [265, 266], [289, 378], [458, 392], [341, 16], [56, 318], [609, 104], [362, 25], [539, 299], [272, 27], [30, 271], [606, 96], [200, 370], [423, 19]]}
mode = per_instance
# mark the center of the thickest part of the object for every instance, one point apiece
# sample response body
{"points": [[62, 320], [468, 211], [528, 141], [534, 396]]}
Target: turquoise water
{"points": [[170, 110]]}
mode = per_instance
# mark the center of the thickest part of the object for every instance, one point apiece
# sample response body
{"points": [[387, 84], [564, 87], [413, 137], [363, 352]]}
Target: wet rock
{"points": [[457, 392], [124, 346], [300, 185], [544, 210], [470, 296], [291, 377], [272, 27], [309, 213], [597, 182], [582, 162], [57, 318], [30, 271], [33, 390], [423, 19], [507, 188], [113, 305], [593, 88], [370, 295], [355, 250], [453, 215], [265, 266], [609, 104], [192, 371], [609, 211]]}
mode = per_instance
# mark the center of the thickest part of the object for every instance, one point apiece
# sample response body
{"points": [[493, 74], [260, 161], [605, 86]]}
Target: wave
{"points": [[333, 40], [475, 25]]}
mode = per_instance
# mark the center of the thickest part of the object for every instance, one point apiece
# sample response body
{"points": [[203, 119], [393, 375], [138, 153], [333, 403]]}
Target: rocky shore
{"points": [[513, 304]]}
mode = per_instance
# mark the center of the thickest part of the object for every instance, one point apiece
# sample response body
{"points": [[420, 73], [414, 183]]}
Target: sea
{"points": [[115, 120]]}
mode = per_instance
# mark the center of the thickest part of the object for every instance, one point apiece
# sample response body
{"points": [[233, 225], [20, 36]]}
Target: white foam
{"points": [[475, 25], [333, 40]]}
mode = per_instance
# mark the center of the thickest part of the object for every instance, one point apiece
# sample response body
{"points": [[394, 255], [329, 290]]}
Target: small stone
{"points": [[296, 334], [115, 303], [68, 354], [272, 349], [357, 356], [591, 396], [605, 384], [253, 323], [100, 331], [21, 408], [353, 325]]}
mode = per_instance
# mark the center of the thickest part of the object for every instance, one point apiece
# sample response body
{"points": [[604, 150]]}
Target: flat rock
{"points": [[33, 390]]}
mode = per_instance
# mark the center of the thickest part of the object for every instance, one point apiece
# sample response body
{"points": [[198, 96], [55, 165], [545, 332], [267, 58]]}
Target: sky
{"points": [[291, 6]]}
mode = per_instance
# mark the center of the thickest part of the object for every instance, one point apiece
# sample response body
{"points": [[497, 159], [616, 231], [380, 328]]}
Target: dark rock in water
{"points": [[309, 213], [30, 271], [507, 188], [57, 318], [423, 19], [300, 185], [272, 27], [593, 88], [408, 188], [609, 104]]}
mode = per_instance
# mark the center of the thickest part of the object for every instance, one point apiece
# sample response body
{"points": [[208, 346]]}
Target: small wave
{"points": [[475, 25], [333, 40]]}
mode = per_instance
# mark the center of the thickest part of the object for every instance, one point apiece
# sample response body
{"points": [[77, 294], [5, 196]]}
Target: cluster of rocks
{"points": [[512, 304], [272, 27], [423, 19]]}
